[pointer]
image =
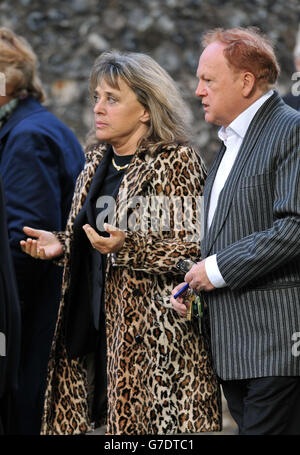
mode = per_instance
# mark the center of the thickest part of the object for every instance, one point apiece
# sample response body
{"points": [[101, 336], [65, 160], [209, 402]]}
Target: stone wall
{"points": [[68, 35]]}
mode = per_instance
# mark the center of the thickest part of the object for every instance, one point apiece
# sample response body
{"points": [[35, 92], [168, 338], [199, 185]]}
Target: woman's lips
{"points": [[100, 124]]}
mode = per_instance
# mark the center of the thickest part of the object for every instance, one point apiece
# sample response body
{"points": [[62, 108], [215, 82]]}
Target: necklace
{"points": [[119, 168]]}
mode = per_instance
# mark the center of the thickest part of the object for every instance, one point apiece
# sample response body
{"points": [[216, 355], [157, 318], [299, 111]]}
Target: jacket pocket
{"points": [[256, 180], [275, 286]]}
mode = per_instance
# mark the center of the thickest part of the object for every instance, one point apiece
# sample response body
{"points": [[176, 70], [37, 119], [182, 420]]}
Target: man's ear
{"points": [[248, 84]]}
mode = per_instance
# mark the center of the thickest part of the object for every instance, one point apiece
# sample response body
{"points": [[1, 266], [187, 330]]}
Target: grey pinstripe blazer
{"points": [[256, 235]]}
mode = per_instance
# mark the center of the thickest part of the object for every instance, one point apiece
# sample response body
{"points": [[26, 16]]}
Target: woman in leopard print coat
{"points": [[159, 374]]}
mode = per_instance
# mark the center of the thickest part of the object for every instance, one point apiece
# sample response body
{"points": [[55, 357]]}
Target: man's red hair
{"points": [[246, 49]]}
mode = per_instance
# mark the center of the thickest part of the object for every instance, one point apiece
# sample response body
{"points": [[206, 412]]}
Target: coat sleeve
{"points": [[62, 237], [31, 184], [262, 252], [32, 181], [158, 249]]}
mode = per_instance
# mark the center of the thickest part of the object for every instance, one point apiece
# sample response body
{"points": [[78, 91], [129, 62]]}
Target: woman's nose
{"points": [[99, 107]]}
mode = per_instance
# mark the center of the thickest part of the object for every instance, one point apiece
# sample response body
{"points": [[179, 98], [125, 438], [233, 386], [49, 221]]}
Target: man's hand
{"points": [[105, 245], [197, 278]]}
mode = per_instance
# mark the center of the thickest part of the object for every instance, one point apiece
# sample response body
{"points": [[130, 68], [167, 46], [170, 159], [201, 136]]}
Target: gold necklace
{"points": [[119, 168]]}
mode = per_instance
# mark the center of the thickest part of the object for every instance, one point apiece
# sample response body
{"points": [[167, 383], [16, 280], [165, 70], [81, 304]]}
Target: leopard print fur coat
{"points": [[160, 376]]}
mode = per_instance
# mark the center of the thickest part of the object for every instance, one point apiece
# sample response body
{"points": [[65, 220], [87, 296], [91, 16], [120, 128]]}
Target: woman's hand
{"points": [[105, 245], [47, 246], [180, 305]]}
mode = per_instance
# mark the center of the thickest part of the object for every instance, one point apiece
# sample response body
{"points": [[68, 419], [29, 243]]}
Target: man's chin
{"points": [[208, 118]]}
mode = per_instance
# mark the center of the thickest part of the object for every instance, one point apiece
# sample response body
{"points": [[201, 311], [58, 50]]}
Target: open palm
{"points": [[45, 246]]}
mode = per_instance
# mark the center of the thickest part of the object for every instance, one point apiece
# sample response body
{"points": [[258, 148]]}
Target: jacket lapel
{"points": [[94, 159], [135, 182], [207, 192], [96, 187], [225, 198]]}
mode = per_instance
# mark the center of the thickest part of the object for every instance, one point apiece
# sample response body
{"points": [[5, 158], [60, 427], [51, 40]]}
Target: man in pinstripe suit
{"points": [[251, 272]]}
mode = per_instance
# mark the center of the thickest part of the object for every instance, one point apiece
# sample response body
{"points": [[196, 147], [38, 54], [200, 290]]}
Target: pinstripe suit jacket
{"points": [[256, 235]]}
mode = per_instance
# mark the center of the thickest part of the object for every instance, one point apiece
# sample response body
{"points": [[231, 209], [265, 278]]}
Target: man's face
{"points": [[220, 88]]}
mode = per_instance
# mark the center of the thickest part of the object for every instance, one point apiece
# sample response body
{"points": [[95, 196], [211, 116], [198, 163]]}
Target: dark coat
{"points": [[40, 159], [9, 314], [292, 100]]}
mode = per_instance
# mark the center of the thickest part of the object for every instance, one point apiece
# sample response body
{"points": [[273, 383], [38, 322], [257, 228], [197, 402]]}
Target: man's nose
{"points": [[200, 90]]}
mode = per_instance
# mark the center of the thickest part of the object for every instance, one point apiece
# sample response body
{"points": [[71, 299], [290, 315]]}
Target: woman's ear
{"points": [[145, 117]]}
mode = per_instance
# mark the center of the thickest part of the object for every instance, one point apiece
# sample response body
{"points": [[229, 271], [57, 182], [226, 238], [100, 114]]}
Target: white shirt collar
{"points": [[241, 123]]}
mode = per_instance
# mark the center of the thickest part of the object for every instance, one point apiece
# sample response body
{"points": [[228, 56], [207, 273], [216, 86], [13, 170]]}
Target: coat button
{"points": [[139, 339]]}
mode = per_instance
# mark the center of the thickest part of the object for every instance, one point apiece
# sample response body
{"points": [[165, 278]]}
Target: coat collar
{"points": [[136, 181], [26, 107], [142, 169], [137, 177]]}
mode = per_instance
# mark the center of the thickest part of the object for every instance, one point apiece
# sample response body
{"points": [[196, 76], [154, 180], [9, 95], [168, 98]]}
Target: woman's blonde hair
{"points": [[18, 63], [154, 89]]}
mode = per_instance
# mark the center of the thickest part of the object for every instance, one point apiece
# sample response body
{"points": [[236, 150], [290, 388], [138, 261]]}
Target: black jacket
{"points": [[9, 311]]}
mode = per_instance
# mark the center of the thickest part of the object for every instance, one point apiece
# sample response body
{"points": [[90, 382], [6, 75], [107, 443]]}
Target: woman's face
{"points": [[120, 119]]}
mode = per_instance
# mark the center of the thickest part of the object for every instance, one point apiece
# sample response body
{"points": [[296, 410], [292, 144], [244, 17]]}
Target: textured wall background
{"points": [[68, 35]]}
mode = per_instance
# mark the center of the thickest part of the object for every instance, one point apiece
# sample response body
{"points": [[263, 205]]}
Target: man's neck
{"points": [[246, 104], [251, 108]]}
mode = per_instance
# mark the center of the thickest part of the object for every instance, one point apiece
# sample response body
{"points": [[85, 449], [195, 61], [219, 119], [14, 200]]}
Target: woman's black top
{"points": [[85, 296], [109, 187]]}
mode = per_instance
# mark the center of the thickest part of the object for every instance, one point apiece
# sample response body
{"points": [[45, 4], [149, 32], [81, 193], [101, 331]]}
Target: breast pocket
{"points": [[253, 203], [250, 181]]}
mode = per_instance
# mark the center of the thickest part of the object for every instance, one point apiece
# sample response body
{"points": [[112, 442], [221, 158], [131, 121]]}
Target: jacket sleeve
{"points": [[31, 177], [158, 249], [262, 252], [61, 236]]}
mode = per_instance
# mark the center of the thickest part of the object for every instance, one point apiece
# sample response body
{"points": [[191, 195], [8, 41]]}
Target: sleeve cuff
{"points": [[213, 272]]}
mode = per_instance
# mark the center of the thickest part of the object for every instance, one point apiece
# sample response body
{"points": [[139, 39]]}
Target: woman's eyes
{"points": [[110, 99]]}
